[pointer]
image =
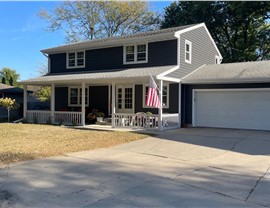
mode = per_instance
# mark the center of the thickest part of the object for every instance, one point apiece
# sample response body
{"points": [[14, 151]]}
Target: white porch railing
{"points": [[170, 121], [38, 116], [60, 117], [136, 121], [69, 118]]}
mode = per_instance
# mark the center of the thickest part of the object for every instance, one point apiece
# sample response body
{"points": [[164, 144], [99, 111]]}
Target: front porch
{"points": [[121, 99], [138, 121]]}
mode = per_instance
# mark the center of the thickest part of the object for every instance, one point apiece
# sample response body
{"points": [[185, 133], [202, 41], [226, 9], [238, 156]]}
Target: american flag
{"points": [[152, 95]]}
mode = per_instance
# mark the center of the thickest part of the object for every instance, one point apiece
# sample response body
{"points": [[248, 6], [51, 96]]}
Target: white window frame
{"points": [[76, 59], [168, 95], [217, 59], [135, 54], [187, 42], [78, 98], [123, 97]]}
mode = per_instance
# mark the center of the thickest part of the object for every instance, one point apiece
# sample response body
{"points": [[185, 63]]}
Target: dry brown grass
{"points": [[19, 142]]}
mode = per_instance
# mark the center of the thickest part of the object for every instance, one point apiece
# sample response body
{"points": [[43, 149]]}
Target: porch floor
{"points": [[110, 128]]}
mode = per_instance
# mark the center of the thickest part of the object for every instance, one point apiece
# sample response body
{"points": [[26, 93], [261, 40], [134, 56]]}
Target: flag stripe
{"points": [[152, 99]]}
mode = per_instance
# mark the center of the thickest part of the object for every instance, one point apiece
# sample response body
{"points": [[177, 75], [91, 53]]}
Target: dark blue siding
{"points": [[173, 100], [98, 96], [159, 54], [61, 98], [187, 95], [58, 62], [98, 99]]}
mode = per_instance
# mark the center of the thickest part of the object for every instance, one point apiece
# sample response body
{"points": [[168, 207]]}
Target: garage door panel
{"points": [[232, 109]]}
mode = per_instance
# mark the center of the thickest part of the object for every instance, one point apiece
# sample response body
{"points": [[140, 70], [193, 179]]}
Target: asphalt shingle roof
{"points": [[4, 86], [258, 71], [100, 75], [9, 89], [90, 43]]}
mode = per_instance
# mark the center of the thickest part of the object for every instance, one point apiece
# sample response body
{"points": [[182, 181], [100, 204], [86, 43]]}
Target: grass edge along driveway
{"points": [[20, 142]]}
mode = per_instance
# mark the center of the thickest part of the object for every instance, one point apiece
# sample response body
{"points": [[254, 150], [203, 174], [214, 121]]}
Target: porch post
{"points": [[179, 104], [113, 105], [24, 101], [161, 103], [52, 102], [109, 100], [83, 104]]}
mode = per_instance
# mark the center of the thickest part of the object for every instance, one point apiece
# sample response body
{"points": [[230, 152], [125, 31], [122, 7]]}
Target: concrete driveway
{"points": [[182, 168]]}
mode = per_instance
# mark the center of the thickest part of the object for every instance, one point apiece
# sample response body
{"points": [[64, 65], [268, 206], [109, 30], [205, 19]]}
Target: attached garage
{"points": [[235, 95], [232, 108]]}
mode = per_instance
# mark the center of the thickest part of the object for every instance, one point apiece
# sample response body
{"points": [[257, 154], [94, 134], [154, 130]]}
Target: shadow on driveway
{"points": [[242, 141]]}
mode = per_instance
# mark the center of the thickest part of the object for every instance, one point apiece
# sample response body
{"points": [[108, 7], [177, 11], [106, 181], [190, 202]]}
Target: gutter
{"points": [[44, 54]]}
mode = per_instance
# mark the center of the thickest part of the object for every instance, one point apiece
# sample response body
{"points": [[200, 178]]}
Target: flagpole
{"points": [[160, 106]]}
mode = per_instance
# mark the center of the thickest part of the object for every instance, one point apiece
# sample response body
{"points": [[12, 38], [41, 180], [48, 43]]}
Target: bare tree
{"points": [[82, 20]]}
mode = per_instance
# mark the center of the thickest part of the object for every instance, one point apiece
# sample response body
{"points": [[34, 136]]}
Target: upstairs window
{"points": [[188, 51], [75, 59], [135, 54]]}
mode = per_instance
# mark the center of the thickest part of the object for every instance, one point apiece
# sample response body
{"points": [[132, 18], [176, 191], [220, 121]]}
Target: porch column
{"points": [[24, 101], [179, 104], [52, 102], [160, 110], [83, 104], [113, 105], [109, 100]]}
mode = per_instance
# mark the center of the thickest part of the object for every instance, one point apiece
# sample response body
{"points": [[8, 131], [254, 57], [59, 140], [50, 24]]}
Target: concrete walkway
{"points": [[180, 168]]}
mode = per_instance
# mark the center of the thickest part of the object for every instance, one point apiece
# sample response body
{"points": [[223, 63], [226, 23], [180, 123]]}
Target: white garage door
{"points": [[244, 109]]}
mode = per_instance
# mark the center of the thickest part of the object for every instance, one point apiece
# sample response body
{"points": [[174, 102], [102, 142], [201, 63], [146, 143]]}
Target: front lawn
{"points": [[19, 142]]}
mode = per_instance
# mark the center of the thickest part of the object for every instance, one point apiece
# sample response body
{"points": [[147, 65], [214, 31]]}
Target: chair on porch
{"points": [[139, 119]]}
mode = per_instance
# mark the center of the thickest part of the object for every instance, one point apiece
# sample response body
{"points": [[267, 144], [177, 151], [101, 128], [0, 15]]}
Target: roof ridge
{"points": [[139, 34]]}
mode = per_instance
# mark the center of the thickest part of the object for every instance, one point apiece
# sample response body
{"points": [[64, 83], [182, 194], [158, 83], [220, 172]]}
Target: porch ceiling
{"points": [[130, 75]]}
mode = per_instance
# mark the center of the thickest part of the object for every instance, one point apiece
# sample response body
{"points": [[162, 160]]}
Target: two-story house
{"points": [[112, 75]]}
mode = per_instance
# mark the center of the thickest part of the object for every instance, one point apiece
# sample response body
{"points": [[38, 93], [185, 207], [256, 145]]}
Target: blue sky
{"points": [[22, 35]]}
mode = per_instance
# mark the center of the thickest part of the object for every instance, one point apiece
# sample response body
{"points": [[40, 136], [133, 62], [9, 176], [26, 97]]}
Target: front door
{"points": [[124, 99]]}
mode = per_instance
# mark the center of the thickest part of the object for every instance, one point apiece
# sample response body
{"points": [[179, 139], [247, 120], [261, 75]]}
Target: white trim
{"points": [[189, 29], [83, 102], [178, 49], [133, 98], [179, 104], [170, 79], [187, 42], [196, 27], [113, 104], [135, 53], [76, 59], [161, 75], [168, 96], [226, 81], [160, 111], [217, 59], [78, 98], [109, 100], [52, 102], [193, 108], [49, 64], [123, 86], [24, 101], [232, 89], [194, 91]]}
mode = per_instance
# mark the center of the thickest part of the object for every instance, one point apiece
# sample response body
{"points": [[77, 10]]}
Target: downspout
{"points": [[180, 84], [49, 61]]}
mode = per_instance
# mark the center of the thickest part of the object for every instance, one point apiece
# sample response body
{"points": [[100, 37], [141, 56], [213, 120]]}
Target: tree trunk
{"points": [[8, 115]]}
